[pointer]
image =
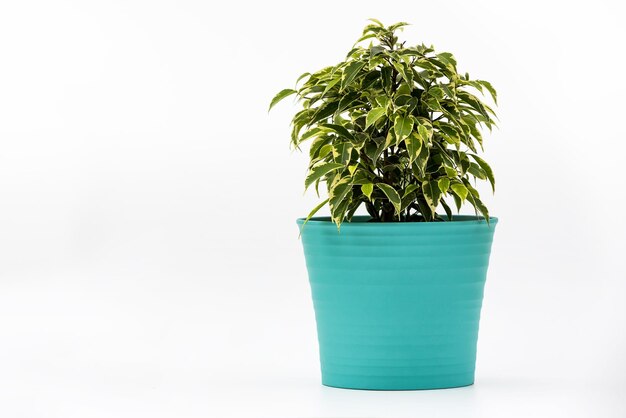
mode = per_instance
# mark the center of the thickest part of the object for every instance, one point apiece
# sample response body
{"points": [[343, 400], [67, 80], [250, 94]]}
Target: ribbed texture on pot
{"points": [[398, 304]]}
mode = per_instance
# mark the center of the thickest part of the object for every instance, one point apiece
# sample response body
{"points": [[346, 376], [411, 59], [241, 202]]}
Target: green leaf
{"points": [[475, 170], [460, 190], [413, 146], [474, 199], [447, 161], [425, 64], [312, 213], [375, 50], [339, 196], [473, 102], [342, 152], [403, 125], [324, 112], [392, 195], [373, 28], [351, 72], [360, 140], [433, 104], [490, 88], [367, 190], [385, 74], [324, 151], [382, 101], [373, 115], [371, 149], [339, 190], [479, 206], [361, 177], [301, 77], [411, 188], [425, 133], [398, 25], [404, 100], [451, 172], [356, 52], [443, 184], [339, 130], [378, 22], [319, 171], [448, 90], [458, 202], [421, 162], [280, 96], [425, 209], [487, 169], [448, 59], [447, 209], [404, 71], [330, 85], [436, 92], [316, 145], [403, 90], [364, 37], [348, 101], [311, 133], [450, 133], [431, 194], [409, 195], [382, 146]]}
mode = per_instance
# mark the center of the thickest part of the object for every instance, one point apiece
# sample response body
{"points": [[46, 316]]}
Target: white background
{"points": [[149, 258]]}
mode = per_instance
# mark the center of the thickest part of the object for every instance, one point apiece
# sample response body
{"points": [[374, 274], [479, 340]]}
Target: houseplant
{"points": [[397, 294]]}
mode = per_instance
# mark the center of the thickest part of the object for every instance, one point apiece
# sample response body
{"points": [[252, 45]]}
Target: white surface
{"points": [[149, 261]]}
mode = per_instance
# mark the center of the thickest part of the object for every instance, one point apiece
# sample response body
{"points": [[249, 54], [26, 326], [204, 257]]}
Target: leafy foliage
{"points": [[394, 128]]}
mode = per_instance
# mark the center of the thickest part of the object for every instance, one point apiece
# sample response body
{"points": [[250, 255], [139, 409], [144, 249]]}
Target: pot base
{"points": [[392, 384]]}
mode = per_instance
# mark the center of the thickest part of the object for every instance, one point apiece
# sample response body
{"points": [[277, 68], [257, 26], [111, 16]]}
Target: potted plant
{"points": [[397, 293]]}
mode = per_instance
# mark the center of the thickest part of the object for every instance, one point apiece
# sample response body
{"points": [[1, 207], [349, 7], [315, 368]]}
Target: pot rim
{"points": [[360, 221]]}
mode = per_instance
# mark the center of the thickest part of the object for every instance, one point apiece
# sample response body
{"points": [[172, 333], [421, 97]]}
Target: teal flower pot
{"points": [[397, 305]]}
